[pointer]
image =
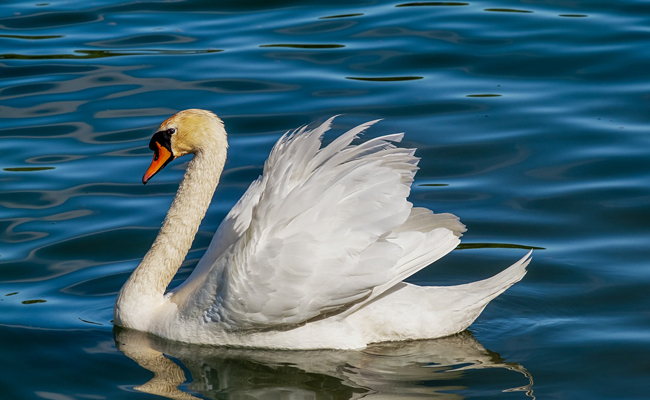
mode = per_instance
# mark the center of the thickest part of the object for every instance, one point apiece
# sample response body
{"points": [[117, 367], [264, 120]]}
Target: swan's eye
{"points": [[171, 130]]}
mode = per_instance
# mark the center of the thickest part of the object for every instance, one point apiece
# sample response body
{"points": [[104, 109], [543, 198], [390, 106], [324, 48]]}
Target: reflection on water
{"points": [[530, 118], [467, 246], [427, 368]]}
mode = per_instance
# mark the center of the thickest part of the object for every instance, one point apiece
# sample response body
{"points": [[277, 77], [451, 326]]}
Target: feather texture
{"points": [[317, 239], [314, 253]]}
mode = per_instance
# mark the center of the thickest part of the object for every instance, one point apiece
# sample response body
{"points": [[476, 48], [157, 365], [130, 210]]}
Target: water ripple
{"points": [[530, 119]]}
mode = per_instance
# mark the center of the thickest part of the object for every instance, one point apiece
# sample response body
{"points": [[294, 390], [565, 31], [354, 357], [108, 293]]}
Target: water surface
{"points": [[530, 119]]}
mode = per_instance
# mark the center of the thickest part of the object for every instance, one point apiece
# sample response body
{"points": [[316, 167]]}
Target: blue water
{"points": [[531, 119]]}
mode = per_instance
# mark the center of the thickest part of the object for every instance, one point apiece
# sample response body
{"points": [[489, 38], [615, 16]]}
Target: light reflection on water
{"points": [[532, 127], [427, 368]]}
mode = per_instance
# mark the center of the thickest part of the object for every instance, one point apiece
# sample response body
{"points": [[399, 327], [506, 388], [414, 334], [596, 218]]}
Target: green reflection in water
{"points": [[342, 16], [90, 322], [34, 301], [386, 79], [305, 46], [510, 10], [11, 294], [93, 54], [27, 169], [433, 3], [34, 37], [469, 246]]}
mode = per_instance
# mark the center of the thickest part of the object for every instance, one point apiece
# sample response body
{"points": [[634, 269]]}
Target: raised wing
{"points": [[312, 236]]}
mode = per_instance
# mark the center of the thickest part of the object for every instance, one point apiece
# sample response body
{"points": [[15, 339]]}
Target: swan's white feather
{"points": [[319, 237], [312, 256], [409, 312]]}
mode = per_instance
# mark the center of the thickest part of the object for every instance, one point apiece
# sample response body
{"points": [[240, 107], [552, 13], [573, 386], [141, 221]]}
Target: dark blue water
{"points": [[531, 118]]}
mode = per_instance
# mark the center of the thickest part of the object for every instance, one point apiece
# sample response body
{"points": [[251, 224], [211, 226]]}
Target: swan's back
{"points": [[322, 232]]}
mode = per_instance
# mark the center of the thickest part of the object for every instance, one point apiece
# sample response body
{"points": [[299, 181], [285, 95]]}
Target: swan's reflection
{"points": [[392, 370]]}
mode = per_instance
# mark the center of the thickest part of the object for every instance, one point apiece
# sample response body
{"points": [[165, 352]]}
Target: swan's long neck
{"points": [[145, 288]]}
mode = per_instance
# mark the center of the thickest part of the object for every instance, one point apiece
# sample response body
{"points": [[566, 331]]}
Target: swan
{"points": [[312, 256]]}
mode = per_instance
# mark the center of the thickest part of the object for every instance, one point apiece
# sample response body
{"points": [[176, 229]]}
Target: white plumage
{"points": [[312, 256]]}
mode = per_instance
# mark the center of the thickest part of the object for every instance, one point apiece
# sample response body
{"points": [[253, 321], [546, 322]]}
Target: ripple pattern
{"points": [[531, 119]]}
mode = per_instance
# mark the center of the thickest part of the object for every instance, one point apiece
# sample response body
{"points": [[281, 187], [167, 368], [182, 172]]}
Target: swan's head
{"points": [[187, 132]]}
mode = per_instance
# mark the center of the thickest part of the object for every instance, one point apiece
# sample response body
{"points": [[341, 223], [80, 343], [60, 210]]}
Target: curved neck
{"points": [[147, 285]]}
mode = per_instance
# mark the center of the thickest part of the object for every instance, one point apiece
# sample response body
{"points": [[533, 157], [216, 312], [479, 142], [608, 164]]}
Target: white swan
{"points": [[312, 256]]}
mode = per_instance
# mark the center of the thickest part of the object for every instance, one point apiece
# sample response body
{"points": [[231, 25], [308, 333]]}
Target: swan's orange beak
{"points": [[161, 157]]}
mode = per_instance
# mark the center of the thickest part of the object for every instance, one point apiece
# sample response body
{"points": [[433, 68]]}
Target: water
{"points": [[530, 118]]}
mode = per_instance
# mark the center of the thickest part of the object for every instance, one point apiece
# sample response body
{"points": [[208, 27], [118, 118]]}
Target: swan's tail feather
{"points": [[406, 311], [508, 277], [466, 302], [480, 293]]}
